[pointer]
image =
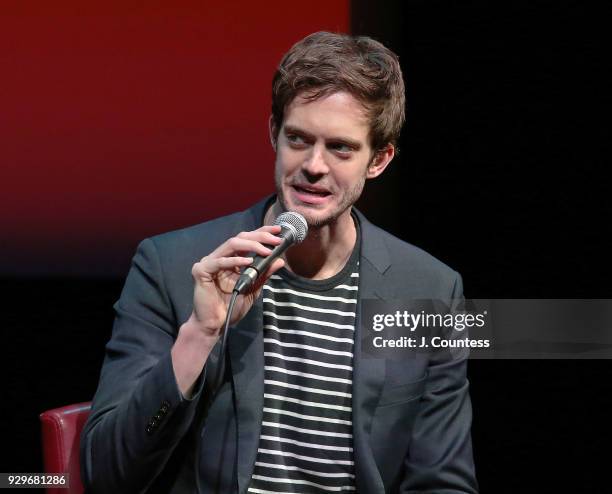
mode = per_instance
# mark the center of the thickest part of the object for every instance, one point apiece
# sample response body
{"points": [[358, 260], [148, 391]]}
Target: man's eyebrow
{"points": [[290, 129]]}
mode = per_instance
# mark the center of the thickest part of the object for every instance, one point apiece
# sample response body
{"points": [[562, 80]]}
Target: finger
{"points": [[263, 237], [236, 245], [269, 228], [273, 268], [212, 265], [267, 234]]}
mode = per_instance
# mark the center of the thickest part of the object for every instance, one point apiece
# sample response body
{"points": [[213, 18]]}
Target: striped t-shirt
{"points": [[306, 441]]}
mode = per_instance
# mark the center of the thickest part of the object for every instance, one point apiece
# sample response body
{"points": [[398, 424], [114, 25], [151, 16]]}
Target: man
{"points": [[300, 409]]}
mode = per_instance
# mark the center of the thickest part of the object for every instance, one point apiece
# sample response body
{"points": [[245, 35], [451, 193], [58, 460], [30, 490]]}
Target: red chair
{"points": [[61, 433]]}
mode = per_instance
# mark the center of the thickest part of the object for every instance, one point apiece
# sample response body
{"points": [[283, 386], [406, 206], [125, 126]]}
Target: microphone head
{"points": [[295, 223]]}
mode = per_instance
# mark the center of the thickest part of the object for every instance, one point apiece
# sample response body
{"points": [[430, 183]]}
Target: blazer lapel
{"points": [[246, 355], [247, 366], [368, 372]]}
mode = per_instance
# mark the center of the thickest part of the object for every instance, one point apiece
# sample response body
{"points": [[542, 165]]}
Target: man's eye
{"points": [[295, 139], [341, 148]]}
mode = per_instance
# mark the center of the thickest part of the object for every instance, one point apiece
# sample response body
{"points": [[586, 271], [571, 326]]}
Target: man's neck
{"points": [[326, 249]]}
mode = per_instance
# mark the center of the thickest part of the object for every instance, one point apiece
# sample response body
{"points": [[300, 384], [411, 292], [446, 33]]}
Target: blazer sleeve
{"points": [[440, 458], [138, 415]]}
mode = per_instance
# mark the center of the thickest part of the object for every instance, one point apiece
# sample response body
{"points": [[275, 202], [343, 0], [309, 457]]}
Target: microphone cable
{"points": [[223, 348]]}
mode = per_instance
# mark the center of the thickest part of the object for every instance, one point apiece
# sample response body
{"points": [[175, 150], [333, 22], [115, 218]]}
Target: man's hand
{"points": [[216, 274], [214, 279]]}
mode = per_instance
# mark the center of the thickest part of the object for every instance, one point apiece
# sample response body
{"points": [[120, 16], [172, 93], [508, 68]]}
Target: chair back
{"points": [[61, 434]]}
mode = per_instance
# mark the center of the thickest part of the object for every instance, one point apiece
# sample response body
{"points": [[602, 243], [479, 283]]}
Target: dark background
{"points": [[501, 174]]}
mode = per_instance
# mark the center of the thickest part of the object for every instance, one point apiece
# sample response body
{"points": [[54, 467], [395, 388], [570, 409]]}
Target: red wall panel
{"points": [[118, 122]]}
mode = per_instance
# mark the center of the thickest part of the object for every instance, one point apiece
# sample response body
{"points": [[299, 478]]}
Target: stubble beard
{"points": [[348, 199]]}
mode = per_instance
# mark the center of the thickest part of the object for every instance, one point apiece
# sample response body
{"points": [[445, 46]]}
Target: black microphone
{"points": [[293, 231]]}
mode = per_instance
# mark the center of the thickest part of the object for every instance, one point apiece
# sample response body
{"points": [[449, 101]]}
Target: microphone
{"points": [[293, 231]]}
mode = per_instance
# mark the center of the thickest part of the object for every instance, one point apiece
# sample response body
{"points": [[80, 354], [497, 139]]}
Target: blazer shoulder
{"points": [[212, 232], [425, 259], [176, 251], [208, 235], [409, 262]]}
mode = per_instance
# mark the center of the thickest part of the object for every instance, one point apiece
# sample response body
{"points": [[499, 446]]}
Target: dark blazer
{"points": [[411, 418]]}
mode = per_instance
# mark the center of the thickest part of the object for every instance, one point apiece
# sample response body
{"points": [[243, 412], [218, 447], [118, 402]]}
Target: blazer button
{"points": [[149, 430]]}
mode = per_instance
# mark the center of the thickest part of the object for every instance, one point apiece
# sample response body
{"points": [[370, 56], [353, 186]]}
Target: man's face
{"points": [[322, 157]]}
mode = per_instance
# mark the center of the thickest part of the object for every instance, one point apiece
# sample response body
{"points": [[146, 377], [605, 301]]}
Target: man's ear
{"points": [[273, 132], [380, 161]]}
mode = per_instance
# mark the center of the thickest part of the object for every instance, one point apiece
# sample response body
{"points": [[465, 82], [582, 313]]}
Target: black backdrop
{"points": [[501, 175]]}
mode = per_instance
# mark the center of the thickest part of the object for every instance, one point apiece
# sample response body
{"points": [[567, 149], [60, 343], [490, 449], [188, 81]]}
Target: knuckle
{"points": [[199, 267]]}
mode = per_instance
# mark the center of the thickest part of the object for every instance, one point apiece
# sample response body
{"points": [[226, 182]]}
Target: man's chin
{"points": [[316, 219], [315, 216], [310, 212]]}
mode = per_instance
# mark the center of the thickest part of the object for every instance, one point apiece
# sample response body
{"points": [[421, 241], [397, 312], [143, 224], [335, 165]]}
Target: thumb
{"points": [[273, 268]]}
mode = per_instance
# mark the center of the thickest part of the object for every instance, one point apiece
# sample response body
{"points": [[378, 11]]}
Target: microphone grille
{"points": [[294, 222]]}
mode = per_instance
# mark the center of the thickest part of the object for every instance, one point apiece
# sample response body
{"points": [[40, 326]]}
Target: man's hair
{"points": [[324, 63]]}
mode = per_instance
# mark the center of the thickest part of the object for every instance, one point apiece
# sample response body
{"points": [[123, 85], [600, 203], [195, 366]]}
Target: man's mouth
{"points": [[311, 195], [316, 191]]}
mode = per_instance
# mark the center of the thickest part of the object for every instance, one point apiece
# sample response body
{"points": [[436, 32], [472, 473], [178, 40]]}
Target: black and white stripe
{"points": [[306, 441]]}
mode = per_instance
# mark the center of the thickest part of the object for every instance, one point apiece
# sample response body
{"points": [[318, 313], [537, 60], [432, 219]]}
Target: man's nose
{"points": [[315, 164]]}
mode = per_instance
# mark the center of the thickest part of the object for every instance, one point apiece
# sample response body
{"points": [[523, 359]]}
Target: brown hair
{"points": [[324, 63]]}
